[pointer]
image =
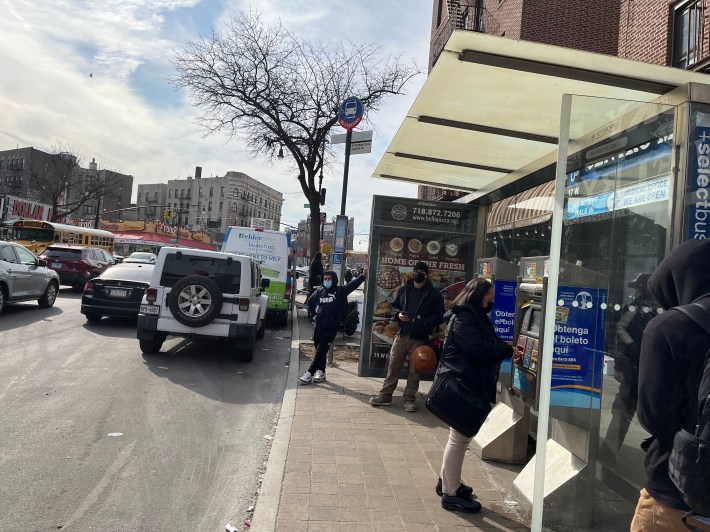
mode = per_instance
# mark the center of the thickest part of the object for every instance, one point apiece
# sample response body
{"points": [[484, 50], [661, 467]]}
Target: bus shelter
{"points": [[586, 171]]}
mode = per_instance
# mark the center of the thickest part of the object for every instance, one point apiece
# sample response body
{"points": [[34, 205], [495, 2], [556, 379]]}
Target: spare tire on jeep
{"points": [[195, 300]]}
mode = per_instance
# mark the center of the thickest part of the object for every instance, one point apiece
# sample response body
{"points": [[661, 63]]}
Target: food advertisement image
{"points": [[446, 260]]}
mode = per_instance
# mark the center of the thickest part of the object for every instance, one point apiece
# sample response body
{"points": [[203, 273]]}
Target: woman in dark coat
{"points": [[474, 352], [315, 273]]}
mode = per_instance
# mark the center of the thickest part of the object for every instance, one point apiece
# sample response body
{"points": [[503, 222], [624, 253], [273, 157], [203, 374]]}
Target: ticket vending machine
{"points": [[504, 435], [577, 367]]}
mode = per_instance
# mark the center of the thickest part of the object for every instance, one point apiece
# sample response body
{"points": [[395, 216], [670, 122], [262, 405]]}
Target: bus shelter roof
{"points": [[491, 107]]}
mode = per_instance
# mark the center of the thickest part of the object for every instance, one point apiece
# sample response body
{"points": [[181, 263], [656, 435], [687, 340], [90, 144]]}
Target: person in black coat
{"points": [[474, 352], [315, 273], [327, 305], [671, 361], [417, 309]]}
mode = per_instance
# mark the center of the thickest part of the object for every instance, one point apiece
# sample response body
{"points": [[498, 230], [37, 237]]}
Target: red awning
{"points": [[158, 239]]}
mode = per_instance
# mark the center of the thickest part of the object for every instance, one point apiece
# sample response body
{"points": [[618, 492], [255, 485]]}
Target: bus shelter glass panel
{"points": [[615, 221]]}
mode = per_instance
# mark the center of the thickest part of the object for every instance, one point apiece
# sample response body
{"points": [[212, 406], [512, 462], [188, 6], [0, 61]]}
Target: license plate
{"points": [[56, 265], [118, 292], [150, 309]]}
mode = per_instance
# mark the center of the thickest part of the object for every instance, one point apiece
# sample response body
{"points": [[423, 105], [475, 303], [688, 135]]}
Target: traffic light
{"points": [[322, 196], [167, 216]]}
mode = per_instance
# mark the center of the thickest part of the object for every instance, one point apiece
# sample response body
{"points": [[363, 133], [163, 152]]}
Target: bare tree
{"points": [[270, 89], [63, 183]]}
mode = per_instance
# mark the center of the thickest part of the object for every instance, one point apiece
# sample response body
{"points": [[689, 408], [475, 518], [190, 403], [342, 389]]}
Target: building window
{"points": [[209, 206], [221, 206], [687, 33], [155, 194], [211, 191], [234, 206], [170, 193], [221, 192], [139, 196]]}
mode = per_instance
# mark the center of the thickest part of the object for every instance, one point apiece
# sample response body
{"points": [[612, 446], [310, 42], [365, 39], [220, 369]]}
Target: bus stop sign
{"points": [[350, 113]]}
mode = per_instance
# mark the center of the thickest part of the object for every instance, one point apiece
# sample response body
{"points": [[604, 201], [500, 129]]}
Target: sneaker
{"points": [[409, 406], [306, 378], [380, 400], [459, 504], [464, 491], [319, 376]]}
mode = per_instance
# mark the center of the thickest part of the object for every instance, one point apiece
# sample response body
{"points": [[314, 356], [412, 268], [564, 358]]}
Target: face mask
{"points": [[327, 284], [488, 306], [419, 277]]}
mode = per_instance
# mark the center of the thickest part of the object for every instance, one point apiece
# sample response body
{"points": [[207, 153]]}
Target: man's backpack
{"points": [[689, 464]]}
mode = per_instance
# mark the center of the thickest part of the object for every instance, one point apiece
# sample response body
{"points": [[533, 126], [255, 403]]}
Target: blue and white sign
{"points": [[341, 230], [503, 315], [649, 191], [350, 112], [698, 187], [578, 356], [337, 259]]}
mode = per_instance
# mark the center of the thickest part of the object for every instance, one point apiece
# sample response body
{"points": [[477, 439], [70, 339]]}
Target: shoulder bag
{"points": [[453, 400]]}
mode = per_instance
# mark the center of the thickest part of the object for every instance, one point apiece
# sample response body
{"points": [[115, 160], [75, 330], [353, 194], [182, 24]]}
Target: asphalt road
{"points": [[94, 435]]}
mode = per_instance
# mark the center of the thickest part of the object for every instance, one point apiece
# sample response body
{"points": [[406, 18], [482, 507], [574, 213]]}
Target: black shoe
{"points": [[463, 490], [459, 504]]}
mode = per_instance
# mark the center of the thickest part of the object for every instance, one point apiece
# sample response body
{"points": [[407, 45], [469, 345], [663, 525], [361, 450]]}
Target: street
{"points": [[94, 435]]}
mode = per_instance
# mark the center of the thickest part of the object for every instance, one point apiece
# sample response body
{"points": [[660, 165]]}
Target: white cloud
{"points": [[48, 50]]}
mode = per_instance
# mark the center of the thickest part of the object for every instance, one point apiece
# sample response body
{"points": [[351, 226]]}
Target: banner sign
{"points": [[503, 315], [649, 191], [341, 230], [401, 212], [24, 208], [698, 187], [578, 357]]}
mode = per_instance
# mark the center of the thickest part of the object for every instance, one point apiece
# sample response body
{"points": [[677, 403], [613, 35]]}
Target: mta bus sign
{"points": [[350, 113]]}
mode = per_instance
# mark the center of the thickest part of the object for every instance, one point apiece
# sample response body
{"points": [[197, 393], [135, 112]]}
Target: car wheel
{"points": [[244, 348], [350, 328], [93, 318], [152, 346], [3, 298], [49, 297], [261, 331], [195, 300], [283, 319]]}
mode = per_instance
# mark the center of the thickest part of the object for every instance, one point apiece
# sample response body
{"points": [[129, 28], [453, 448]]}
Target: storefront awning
{"points": [[491, 107], [158, 239], [530, 207]]}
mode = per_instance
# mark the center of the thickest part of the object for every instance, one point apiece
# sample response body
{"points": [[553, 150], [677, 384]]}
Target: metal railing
{"points": [[469, 15]]}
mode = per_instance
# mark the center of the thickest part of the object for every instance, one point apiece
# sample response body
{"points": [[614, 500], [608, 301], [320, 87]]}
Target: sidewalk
{"points": [[337, 463]]}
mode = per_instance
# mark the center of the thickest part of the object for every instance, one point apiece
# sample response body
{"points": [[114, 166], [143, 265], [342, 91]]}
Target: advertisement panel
{"points": [[503, 315], [698, 189], [394, 250], [578, 358]]}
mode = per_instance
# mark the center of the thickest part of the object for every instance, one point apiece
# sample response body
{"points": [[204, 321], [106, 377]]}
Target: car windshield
{"points": [[129, 272], [227, 274], [62, 253], [142, 256], [31, 233]]}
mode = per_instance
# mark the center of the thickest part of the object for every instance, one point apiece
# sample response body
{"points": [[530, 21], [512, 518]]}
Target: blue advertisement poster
{"points": [[579, 347], [503, 314]]}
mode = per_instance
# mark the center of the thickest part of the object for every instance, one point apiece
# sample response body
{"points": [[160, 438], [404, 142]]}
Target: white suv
{"points": [[196, 293]]}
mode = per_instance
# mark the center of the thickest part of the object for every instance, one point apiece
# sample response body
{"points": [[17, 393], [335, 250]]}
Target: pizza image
{"points": [[396, 244], [388, 277]]}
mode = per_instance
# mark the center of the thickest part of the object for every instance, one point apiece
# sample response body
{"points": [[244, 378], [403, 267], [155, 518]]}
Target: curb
{"points": [[267, 503]]}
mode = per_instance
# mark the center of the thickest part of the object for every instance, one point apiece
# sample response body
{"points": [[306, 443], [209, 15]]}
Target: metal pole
{"points": [[348, 139]]}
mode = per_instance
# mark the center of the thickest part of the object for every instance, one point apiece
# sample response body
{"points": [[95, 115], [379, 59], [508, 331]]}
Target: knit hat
{"points": [[422, 267]]}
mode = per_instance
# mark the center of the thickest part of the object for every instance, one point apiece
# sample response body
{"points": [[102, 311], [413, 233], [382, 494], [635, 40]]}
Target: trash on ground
{"points": [[511, 503], [247, 523], [114, 434], [230, 528], [162, 367], [250, 509], [268, 437]]}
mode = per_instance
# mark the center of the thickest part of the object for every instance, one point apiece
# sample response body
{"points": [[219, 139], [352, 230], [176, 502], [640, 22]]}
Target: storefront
{"points": [[592, 161]]}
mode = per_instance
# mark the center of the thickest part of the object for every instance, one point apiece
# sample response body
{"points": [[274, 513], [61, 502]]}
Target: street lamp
{"points": [[270, 142]]}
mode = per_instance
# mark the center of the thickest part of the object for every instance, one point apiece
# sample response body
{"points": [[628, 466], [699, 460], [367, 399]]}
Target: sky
{"points": [[93, 75]]}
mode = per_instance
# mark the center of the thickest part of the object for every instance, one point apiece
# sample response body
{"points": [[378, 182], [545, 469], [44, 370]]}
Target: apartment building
{"points": [[211, 203]]}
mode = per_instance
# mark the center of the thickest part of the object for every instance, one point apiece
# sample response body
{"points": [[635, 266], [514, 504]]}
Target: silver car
{"points": [[24, 277]]}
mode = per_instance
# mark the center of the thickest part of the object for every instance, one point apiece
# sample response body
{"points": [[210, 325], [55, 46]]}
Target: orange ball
{"points": [[424, 359]]}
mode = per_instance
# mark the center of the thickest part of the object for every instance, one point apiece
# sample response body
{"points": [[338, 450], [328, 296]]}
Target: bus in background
{"points": [[37, 235], [272, 249]]}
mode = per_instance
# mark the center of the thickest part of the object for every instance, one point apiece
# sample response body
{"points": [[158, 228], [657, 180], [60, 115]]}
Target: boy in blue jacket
{"points": [[327, 306]]}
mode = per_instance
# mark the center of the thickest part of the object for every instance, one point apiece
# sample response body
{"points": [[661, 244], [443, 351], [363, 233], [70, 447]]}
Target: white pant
{"points": [[453, 461]]}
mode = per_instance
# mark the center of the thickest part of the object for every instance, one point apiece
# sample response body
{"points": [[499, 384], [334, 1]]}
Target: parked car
{"points": [[301, 271], [144, 257], [204, 294], [118, 291], [76, 264], [24, 277]]}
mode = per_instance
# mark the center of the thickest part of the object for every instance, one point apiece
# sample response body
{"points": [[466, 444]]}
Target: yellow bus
{"points": [[37, 235]]}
